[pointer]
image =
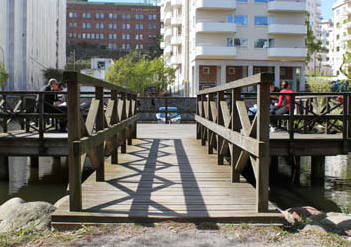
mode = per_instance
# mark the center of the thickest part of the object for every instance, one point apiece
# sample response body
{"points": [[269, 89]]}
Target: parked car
{"points": [[173, 117]]}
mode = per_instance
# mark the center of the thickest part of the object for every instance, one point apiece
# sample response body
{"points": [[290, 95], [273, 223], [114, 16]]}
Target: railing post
{"points": [[134, 126], [209, 117], [4, 123], [166, 116], [345, 123], [291, 124], [114, 120], [41, 117], [203, 128], [348, 117], [123, 117], [235, 122], [220, 97], [130, 128], [100, 125], [262, 162], [74, 159], [198, 126]]}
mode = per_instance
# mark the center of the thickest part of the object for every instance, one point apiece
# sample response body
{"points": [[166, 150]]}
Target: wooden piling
{"points": [[4, 168]]}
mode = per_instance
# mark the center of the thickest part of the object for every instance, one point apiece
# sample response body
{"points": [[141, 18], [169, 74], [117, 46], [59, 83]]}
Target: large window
{"points": [[241, 1], [240, 19], [264, 43], [241, 43], [261, 1], [261, 20], [230, 42]]}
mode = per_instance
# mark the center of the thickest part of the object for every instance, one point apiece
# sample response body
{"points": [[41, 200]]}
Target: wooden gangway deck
{"points": [[166, 175]]}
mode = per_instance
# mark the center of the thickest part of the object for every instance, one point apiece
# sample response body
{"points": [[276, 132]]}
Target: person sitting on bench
{"points": [[283, 105]]}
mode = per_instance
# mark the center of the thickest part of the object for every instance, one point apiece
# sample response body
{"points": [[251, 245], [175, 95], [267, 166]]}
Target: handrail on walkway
{"points": [[221, 113], [108, 128]]}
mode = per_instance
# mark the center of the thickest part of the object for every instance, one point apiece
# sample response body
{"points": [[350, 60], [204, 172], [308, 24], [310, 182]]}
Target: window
{"points": [[88, 35], [110, 16], [88, 25], [149, 17], [123, 36], [141, 26], [137, 26], [231, 71], [123, 17], [128, 26], [206, 70], [154, 17], [230, 18], [79, 35], [282, 71], [261, 20], [137, 17], [128, 36], [84, 25], [110, 36], [93, 35], [70, 14], [123, 46], [141, 16], [114, 36], [241, 1], [123, 26], [241, 43], [88, 15], [257, 71], [128, 46], [141, 46], [240, 19], [101, 36], [261, 43], [141, 37], [70, 35], [261, 1], [84, 15], [83, 36], [110, 26]]}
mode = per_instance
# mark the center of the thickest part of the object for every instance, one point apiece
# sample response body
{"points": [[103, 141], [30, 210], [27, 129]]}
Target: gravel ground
{"points": [[171, 234]]}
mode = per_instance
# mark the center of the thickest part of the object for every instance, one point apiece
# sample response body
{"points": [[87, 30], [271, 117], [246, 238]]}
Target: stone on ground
{"points": [[298, 214], [34, 215], [338, 221], [9, 207]]}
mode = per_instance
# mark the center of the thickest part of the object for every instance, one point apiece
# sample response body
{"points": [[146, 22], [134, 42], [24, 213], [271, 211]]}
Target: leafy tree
{"points": [[140, 74], [3, 75], [313, 45]]}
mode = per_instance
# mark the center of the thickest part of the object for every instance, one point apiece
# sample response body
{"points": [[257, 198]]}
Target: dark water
{"points": [[332, 194], [46, 183], [49, 183]]}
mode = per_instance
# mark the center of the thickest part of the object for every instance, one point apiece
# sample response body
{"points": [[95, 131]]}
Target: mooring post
{"points": [[34, 161], [317, 169], [56, 161], [4, 168], [274, 167], [295, 163]]}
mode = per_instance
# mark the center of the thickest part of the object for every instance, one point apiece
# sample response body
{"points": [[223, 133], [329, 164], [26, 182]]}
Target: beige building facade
{"points": [[228, 40]]}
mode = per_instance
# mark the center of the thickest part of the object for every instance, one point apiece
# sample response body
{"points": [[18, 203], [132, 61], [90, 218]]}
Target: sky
{"points": [[326, 6]]}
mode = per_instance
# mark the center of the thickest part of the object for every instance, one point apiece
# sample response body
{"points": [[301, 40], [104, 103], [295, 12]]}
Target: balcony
{"points": [[167, 19], [167, 51], [176, 59], [176, 40], [287, 29], [215, 52], [287, 6], [216, 27], [287, 52], [162, 45], [176, 3], [176, 21], [168, 34], [216, 4]]}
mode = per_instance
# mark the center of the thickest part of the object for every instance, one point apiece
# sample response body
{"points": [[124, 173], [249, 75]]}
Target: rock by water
{"points": [[9, 207], [36, 215]]}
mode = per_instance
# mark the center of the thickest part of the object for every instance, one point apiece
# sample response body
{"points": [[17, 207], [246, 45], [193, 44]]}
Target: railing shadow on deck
{"points": [[150, 182]]}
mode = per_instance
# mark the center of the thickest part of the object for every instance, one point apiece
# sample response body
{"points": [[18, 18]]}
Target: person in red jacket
{"points": [[283, 105]]}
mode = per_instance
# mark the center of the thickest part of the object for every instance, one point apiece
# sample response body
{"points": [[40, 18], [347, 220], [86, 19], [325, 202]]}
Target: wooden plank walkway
{"points": [[166, 175]]}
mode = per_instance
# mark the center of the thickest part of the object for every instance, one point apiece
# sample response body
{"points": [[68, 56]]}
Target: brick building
{"points": [[117, 26]]}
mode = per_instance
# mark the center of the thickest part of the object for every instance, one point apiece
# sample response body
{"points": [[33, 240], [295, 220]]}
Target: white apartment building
{"points": [[326, 59], [341, 10], [33, 38], [313, 7], [214, 42]]}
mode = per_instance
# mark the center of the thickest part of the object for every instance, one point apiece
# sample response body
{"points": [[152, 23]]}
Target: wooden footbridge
{"points": [[185, 172]]}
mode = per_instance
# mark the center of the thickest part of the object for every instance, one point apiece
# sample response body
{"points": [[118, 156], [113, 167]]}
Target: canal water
{"points": [[49, 183]]}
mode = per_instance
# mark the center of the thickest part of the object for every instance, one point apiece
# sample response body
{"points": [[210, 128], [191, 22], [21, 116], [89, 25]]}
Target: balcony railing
{"points": [[176, 3], [287, 6], [216, 4], [287, 52], [176, 40], [287, 29], [176, 21], [215, 27], [176, 59], [215, 52]]}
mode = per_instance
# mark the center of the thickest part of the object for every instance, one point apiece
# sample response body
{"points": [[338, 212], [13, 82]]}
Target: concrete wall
{"points": [[35, 39]]}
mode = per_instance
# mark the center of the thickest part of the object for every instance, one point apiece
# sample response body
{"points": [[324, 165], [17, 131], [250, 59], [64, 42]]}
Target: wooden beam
{"points": [[265, 78], [250, 144], [100, 125]]}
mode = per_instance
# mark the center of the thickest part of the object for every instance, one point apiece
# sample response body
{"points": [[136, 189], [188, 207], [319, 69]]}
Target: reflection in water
{"points": [[332, 194], [46, 183]]}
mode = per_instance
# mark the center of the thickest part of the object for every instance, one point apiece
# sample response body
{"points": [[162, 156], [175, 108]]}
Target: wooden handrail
{"points": [[113, 128], [223, 122]]}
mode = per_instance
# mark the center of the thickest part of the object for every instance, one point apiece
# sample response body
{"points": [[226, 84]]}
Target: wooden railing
{"points": [[332, 111], [108, 128], [27, 108], [223, 122]]}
